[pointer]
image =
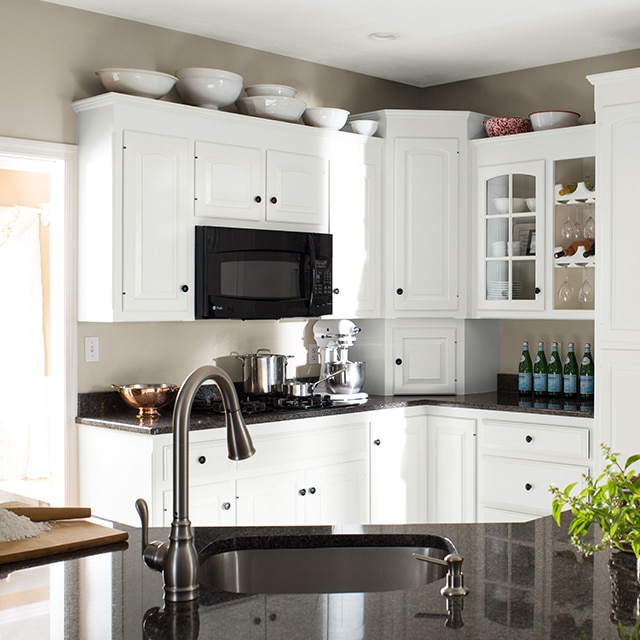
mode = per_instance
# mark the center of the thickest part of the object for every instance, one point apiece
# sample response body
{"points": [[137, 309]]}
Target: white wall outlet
{"points": [[314, 358], [91, 349]]}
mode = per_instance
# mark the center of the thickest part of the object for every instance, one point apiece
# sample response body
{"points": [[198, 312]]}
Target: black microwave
{"points": [[257, 274]]}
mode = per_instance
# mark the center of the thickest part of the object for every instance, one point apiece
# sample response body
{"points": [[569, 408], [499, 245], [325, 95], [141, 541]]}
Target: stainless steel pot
{"points": [[346, 377], [303, 388], [263, 372]]}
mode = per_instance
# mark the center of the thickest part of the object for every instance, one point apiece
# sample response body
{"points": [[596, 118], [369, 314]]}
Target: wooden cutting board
{"points": [[64, 537]]}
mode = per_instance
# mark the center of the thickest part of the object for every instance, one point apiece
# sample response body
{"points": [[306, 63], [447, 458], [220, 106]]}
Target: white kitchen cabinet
{"points": [[617, 350], [519, 458], [354, 223], [241, 184], [426, 205], [134, 240], [518, 222], [451, 469], [398, 466]]}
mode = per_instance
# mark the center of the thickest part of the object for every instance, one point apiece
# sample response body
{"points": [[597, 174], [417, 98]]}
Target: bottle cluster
{"points": [[555, 378]]}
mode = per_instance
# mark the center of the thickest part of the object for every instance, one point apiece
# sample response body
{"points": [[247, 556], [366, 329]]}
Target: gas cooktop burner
{"points": [[266, 404]]}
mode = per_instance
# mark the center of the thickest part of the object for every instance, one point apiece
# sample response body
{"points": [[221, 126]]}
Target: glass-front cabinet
{"points": [[511, 200]]}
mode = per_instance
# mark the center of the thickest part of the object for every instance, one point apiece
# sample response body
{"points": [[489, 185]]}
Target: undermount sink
{"points": [[325, 564]]}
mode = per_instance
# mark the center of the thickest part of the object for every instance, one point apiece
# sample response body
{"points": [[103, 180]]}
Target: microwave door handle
{"points": [[312, 270]]}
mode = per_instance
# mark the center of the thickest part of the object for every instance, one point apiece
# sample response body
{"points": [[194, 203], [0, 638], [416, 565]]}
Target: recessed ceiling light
{"points": [[383, 36]]}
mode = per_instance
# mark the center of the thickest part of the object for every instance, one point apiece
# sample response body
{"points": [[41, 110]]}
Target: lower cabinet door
{"points": [[210, 505], [270, 500]]}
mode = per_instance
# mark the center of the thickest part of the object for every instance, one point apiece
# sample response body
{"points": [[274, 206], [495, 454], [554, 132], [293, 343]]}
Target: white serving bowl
{"points": [[137, 82], [272, 107], [553, 119], [364, 127], [518, 205], [270, 90], [325, 117], [209, 88], [531, 204]]}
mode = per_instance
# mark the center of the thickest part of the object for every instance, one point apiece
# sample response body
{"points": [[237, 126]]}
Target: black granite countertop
{"points": [[106, 409], [526, 582]]}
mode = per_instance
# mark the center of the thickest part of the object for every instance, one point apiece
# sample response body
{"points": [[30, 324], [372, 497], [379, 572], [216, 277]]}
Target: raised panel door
{"points": [[156, 279]]}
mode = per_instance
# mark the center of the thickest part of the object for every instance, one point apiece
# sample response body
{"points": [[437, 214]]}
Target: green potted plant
{"points": [[611, 501]]}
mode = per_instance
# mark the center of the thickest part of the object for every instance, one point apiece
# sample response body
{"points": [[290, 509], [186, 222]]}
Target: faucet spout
{"points": [[178, 559]]}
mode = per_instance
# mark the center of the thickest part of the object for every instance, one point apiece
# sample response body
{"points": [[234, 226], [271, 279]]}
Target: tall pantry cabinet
{"points": [[617, 358]]}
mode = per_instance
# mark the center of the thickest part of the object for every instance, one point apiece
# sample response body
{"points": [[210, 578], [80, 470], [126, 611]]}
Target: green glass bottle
{"points": [[540, 372], [570, 373], [525, 371], [587, 374], [554, 377]]}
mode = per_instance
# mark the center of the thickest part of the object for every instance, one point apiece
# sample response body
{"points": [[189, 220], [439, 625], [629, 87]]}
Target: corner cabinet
{"points": [[425, 209], [521, 221], [150, 170]]}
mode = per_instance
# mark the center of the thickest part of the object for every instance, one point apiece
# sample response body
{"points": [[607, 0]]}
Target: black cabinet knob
{"points": [[257, 621], [528, 438], [273, 617], [273, 200], [202, 459], [258, 199], [185, 288], [399, 291], [336, 291], [312, 490], [537, 290], [528, 486], [398, 360], [377, 442], [226, 506], [303, 492]]}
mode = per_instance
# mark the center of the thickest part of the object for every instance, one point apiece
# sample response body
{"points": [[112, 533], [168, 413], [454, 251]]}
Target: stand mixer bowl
{"points": [[346, 377]]}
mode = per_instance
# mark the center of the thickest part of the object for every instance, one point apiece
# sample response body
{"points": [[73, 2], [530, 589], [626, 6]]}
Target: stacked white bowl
{"points": [[209, 88], [273, 101]]}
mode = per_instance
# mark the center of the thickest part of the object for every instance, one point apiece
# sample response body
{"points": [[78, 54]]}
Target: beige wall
{"points": [[49, 54]]}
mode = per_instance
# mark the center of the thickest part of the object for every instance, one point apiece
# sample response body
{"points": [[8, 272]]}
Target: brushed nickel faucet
{"points": [[178, 558]]}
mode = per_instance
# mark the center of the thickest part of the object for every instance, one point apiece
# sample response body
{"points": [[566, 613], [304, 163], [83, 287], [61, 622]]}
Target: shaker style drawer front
{"points": [[523, 485], [206, 460], [538, 441]]}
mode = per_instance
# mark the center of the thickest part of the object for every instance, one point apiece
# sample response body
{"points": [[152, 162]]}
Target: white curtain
{"points": [[24, 416]]}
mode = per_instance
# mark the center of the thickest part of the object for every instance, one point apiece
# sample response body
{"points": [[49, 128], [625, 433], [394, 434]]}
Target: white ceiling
{"points": [[439, 41]]}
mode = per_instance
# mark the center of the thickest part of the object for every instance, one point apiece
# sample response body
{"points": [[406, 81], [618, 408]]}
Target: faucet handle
{"points": [[153, 553], [455, 579]]}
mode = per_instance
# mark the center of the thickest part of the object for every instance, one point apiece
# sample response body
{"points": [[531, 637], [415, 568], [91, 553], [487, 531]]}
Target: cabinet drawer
{"points": [[206, 460], [535, 440], [523, 485]]}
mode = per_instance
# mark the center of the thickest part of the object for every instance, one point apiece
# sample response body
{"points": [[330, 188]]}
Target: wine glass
{"points": [[589, 228], [565, 291], [566, 231], [576, 229], [585, 293]]}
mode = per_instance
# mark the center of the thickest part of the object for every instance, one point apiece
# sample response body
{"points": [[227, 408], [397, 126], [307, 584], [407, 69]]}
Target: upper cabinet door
{"points": [[426, 229], [297, 189], [511, 273], [229, 182], [155, 275]]}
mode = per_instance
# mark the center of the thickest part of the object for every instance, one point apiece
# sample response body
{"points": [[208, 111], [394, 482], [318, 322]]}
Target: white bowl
{"points": [[518, 205], [270, 90], [553, 119], [209, 88], [364, 127], [137, 82], [325, 117], [531, 204], [272, 107]]}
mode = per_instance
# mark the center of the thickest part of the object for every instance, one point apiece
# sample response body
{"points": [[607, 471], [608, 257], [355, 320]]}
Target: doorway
{"points": [[38, 326]]}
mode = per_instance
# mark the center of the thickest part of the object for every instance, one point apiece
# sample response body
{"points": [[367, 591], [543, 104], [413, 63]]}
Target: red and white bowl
{"points": [[506, 126]]}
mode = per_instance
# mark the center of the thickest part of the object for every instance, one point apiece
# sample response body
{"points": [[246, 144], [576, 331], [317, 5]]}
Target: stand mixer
{"points": [[334, 337]]}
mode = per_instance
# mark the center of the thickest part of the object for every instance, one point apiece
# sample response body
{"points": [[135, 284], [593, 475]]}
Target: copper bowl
{"points": [[147, 398]]}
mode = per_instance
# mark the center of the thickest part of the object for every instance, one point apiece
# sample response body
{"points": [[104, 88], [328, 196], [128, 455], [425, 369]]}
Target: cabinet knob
{"points": [[528, 438], [257, 621], [226, 506], [336, 291], [258, 199], [312, 490], [537, 290], [202, 459], [273, 617], [273, 200], [398, 360], [528, 486], [303, 492], [185, 288], [377, 442], [399, 291]]}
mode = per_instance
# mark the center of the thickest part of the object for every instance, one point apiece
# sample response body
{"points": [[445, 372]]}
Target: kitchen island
{"points": [[526, 582]]}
